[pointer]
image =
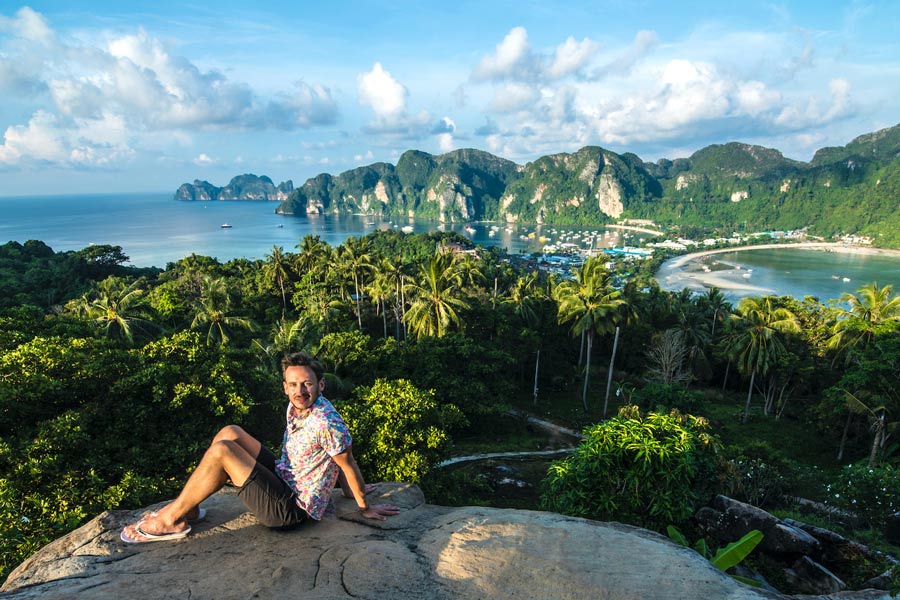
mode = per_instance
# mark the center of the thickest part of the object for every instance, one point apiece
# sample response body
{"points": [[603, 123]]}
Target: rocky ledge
{"points": [[427, 551]]}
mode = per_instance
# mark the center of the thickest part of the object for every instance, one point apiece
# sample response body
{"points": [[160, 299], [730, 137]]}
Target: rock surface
{"points": [[427, 551]]}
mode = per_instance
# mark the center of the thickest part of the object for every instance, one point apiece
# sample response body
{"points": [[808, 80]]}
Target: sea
{"points": [[153, 229]]}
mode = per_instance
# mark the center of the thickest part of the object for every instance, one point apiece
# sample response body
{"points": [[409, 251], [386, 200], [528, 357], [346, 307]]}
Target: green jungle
{"points": [[113, 379]]}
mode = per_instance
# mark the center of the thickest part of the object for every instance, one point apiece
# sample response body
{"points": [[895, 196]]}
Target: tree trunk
{"points": [[537, 364], [384, 316], [609, 378], [840, 454], [358, 313], [725, 380], [876, 442], [587, 370], [782, 402], [581, 350], [749, 397]]}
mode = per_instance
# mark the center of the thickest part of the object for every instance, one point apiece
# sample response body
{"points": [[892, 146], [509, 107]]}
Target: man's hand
{"points": [[380, 512]]}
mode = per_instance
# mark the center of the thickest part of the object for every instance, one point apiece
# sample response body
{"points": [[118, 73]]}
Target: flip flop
{"points": [[151, 537], [200, 516]]}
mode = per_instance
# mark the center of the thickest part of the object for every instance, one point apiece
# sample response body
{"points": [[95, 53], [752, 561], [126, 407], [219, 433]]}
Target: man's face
{"points": [[302, 387]]}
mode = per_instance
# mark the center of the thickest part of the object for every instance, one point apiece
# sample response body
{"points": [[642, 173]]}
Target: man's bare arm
{"points": [[351, 479]]}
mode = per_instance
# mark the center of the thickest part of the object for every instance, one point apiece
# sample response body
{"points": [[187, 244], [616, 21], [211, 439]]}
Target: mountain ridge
{"points": [[845, 190]]}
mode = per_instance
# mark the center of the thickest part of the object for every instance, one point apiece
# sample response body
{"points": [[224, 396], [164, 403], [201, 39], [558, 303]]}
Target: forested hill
{"points": [[852, 189]]}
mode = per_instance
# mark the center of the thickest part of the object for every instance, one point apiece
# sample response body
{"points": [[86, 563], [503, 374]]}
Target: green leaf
{"points": [[676, 536], [735, 552]]}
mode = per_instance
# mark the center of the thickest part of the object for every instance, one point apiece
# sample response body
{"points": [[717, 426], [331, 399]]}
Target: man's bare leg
{"points": [[231, 455]]}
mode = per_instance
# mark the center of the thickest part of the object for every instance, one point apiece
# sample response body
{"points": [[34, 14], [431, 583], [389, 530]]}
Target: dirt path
{"points": [[557, 431]]}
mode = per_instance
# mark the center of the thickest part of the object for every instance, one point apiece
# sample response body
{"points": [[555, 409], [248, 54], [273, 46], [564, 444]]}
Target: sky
{"points": [[142, 96]]}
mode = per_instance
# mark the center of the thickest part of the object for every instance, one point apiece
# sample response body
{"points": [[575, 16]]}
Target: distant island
{"points": [[843, 191], [242, 187]]}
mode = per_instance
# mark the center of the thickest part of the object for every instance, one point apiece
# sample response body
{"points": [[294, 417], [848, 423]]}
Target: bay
{"points": [[154, 229], [798, 272]]}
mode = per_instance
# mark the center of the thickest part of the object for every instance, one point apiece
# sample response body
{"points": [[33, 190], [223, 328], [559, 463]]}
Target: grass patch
{"points": [[500, 433]]}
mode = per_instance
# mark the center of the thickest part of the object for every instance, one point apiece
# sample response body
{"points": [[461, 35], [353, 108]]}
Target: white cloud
{"points": [[204, 160], [28, 25], [445, 142], [754, 98], [644, 42], [571, 56], [511, 57], [101, 102], [367, 157], [814, 112], [38, 140], [48, 138], [514, 96], [382, 93], [514, 60], [387, 97]]}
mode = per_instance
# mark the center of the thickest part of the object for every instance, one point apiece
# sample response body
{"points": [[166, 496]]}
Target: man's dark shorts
{"points": [[268, 497]]}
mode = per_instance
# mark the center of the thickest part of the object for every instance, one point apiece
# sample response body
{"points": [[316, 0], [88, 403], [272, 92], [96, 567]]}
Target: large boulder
{"points": [[427, 551], [728, 519]]}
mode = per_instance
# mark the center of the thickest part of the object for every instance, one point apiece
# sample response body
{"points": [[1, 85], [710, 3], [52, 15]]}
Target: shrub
{"points": [[399, 431], [759, 474], [655, 395], [873, 493], [645, 470]]}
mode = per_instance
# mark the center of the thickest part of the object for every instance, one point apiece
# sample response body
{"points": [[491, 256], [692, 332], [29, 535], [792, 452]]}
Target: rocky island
{"points": [[242, 187]]}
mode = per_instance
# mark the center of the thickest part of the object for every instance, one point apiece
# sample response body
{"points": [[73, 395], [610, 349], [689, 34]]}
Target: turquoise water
{"points": [[794, 272], [154, 229]]}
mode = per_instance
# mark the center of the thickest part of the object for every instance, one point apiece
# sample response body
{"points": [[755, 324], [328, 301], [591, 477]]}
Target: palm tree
{"points": [[114, 308], [311, 256], [524, 297], [877, 415], [381, 290], [856, 327], [755, 343], [286, 336], [436, 297], [356, 259], [592, 305], [275, 269], [394, 274], [215, 302], [714, 301]]}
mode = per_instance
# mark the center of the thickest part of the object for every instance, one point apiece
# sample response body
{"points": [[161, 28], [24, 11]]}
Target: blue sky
{"points": [[143, 96]]}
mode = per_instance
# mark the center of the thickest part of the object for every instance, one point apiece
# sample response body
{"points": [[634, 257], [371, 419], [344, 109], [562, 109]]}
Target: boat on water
{"points": [[470, 230], [407, 229], [226, 226]]}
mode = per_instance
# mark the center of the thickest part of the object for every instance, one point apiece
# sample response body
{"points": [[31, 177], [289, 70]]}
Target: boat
{"points": [[407, 229], [470, 230], [226, 226], [845, 279]]}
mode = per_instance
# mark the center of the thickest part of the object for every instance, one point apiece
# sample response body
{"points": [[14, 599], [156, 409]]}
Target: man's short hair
{"points": [[302, 359]]}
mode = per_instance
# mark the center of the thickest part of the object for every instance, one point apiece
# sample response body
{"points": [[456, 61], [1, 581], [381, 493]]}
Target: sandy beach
{"points": [[685, 271]]}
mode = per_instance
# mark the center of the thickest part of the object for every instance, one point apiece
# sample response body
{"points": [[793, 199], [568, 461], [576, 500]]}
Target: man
{"points": [[281, 493]]}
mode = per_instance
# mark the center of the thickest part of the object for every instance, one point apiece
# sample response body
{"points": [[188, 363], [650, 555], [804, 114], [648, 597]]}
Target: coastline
{"points": [[683, 271]]}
